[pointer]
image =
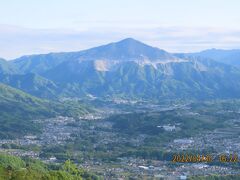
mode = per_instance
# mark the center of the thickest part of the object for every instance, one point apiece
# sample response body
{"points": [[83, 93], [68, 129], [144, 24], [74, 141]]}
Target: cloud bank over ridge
{"points": [[17, 41]]}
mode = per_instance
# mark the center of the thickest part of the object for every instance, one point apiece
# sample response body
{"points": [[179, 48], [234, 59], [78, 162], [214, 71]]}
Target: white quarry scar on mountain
{"points": [[105, 65], [101, 65]]}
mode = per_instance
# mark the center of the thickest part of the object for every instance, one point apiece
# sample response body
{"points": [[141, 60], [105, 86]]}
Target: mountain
{"points": [[17, 109], [6, 67], [31, 83], [231, 57], [40, 63], [128, 69], [127, 49], [196, 79]]}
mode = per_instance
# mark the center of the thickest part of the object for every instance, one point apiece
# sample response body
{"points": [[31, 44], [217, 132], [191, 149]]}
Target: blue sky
{"points": [[29, 27]]}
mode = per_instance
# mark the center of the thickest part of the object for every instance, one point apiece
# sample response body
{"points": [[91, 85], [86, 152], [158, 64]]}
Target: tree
{"points": [[71, 168]]}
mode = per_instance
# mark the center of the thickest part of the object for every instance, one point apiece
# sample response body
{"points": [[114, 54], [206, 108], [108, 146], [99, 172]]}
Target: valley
{"points": [[116, 143]]}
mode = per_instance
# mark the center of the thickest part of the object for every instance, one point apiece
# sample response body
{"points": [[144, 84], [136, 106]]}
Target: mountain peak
{"points": [[126, 49], [132, 43], [130, 40]]}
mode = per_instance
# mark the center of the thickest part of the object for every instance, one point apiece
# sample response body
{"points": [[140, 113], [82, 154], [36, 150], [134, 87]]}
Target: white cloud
{"points": [[17, 41]]}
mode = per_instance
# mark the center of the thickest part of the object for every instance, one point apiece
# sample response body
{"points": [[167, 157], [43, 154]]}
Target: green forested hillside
{"points": [[31, 83], [17, 109], [15, 168]]}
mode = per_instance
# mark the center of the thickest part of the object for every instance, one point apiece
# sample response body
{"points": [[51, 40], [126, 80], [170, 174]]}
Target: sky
{"points": [[33, 27]]}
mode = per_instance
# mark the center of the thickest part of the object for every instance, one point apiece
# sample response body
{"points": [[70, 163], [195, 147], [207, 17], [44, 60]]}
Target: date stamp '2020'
{"points": [[190, 158]]}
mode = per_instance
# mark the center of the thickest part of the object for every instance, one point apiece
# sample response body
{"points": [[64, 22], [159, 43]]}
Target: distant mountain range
{"points": [[127, 69], [231, 57]]}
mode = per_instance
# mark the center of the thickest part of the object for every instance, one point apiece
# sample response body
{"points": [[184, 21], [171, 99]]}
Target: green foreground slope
{"points": [[15, 168]]}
